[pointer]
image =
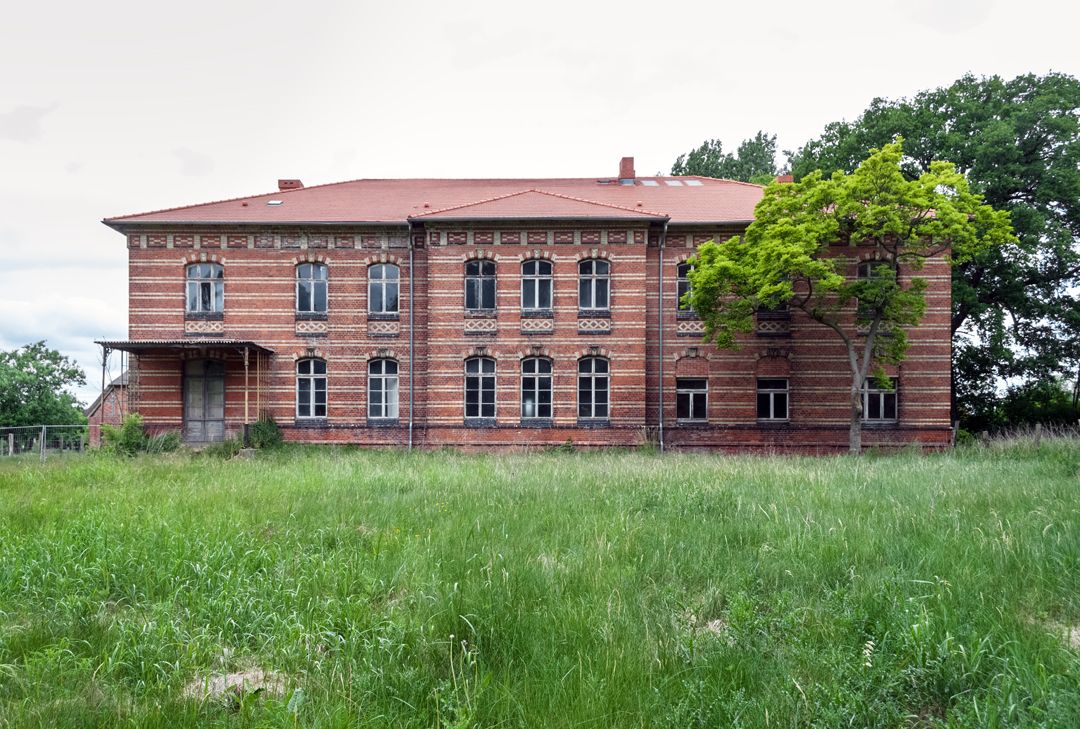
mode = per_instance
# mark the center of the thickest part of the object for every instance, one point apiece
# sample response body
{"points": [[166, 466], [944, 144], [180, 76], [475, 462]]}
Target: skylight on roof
{"points": [[650, 183], [694, 183], [673, 183], [274, 202]]}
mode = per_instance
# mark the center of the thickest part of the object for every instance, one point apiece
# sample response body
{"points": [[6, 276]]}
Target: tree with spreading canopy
{"points": [[753, 161], [789, 257], [1015, 309], [34, 387]]}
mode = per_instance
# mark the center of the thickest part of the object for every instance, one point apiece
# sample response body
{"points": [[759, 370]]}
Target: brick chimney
{"points": [[785, 178], [626, 169], [284, 185]]}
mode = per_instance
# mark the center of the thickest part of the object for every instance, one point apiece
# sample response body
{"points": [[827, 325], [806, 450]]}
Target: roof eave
{"points": [[555, 218]]}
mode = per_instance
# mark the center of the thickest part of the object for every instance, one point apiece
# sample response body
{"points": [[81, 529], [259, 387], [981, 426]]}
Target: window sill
{"points": [[593, 423], [383, 422], [311, 316], [880, 423], [310, 423], [773, 422], [537, 314], [479, 422], [536, 422], [383, 316], [682, 314], [594, 313], [204, 316], [480, 313], [696, 423]]}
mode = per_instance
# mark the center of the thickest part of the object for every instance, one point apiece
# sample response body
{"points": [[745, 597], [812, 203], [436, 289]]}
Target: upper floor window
{"points": [[536, 388], [682, 286], [536, 285], [593, 388], [480, 387], [480, 285], [205, 288], [879, 405], [311, 288], [383, 288], [594, 284], [382, 389], [311, 388], [692, 398], [772, 399]]}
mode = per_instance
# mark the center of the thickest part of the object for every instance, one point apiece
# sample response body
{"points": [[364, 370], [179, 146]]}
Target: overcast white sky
{"points": [[116, 107]]}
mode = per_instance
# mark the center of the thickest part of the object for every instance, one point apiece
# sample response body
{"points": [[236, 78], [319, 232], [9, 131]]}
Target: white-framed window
{"points": [[382, 389], [311, 288], [536, 285], [593, 388], [772, 399], [205, 288], [692, 398], [479, 285], [479, 388], [535, 388], [880, 406], [594, 284], [383, 281], [311, 388], [682, 286]]}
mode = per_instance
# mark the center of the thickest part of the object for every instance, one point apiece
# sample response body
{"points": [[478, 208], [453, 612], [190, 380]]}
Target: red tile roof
{"points": [[395, 201]]}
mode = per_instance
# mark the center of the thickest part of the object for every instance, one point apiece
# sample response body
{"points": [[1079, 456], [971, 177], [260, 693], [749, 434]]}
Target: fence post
{"points": [[43, 434], [1038, 434], [11, 443]]}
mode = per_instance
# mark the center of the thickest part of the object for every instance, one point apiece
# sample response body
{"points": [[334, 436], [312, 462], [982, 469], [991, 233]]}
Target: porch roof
{"points": [[143, 345]]}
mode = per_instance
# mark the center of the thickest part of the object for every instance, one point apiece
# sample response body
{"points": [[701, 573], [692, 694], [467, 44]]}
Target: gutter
{"points": [[412, 335], [660, 332]]}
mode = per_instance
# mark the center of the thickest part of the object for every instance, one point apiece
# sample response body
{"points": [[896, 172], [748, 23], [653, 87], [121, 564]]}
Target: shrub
{"points": [[223, 449], [265, 432], [131, 438]]}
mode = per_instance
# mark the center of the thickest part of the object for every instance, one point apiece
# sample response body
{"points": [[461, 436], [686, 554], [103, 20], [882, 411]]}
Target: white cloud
{"points": [[24, 123]]}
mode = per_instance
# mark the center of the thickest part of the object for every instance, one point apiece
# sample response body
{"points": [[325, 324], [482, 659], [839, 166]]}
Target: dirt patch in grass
{"points": [[239, 683]]}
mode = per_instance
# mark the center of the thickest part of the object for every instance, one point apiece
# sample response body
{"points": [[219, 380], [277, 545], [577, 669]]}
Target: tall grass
{"points": [[587, 590]]}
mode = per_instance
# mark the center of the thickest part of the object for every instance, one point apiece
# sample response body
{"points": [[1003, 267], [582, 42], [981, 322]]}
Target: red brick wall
{"points": [[259, 306]]}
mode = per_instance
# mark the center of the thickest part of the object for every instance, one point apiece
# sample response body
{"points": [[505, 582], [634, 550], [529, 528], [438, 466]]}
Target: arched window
{"points": [[311, 288], [535, 388], [383, 288], [479, 388], [682, 286], [536, 285], [205, 288], [594, 284], [311, 388], [479, 285], [593, 388], [382, 389]]}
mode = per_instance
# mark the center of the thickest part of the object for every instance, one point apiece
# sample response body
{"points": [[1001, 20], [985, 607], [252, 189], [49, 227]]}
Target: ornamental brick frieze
{"points": [[481, 326], [594, 326], [204, 327], [690, 328], [312, 328], [537, 326], [377, 328]]}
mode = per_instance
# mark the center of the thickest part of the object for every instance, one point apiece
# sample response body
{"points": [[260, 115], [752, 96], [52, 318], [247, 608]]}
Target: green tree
{"points": [[753, 161], [34, 382], [1018, 143], [785, 258]]}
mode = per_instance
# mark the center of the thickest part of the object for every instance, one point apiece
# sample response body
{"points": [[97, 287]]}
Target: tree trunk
{"points": [[855, 430]]}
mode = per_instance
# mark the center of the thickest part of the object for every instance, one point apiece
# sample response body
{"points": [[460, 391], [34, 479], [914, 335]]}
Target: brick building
{"points": [[489, 313], [109, 408]]}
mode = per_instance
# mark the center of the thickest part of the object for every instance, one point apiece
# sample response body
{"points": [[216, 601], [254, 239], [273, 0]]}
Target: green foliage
{"points": [[754, 161], [34, 382], [586, 589], [227, 448], [785, 257], [1048, 402], [1015, 310], [265, 432], [131, 438]]}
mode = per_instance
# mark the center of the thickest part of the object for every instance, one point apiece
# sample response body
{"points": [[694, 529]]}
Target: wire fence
{"points": [[45, 440]]}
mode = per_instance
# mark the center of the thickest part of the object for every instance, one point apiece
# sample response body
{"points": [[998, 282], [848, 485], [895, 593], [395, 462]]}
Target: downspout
{"points": [[412, 337], [660, 329]]}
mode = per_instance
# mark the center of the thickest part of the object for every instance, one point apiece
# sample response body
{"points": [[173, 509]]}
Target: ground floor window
{"points": [[692, 398], [311, 388], [879, 404], [593, 388], [772, 399], [382, 389], [480, 387], [536, 388]]}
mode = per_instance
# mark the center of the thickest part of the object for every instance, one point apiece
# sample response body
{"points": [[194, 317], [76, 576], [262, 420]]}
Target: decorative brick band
{"points": [[311, 328], [203, 326], [594, 326], [690, 328], [537, 326], [378, 328], [481, 326]]}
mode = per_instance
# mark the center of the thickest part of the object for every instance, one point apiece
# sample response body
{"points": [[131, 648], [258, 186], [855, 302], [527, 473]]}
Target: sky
{"points": [[110, 108]]}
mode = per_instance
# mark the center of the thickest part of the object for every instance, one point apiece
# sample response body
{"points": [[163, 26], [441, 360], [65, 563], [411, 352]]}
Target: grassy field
{"points": [[556, 590]]}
